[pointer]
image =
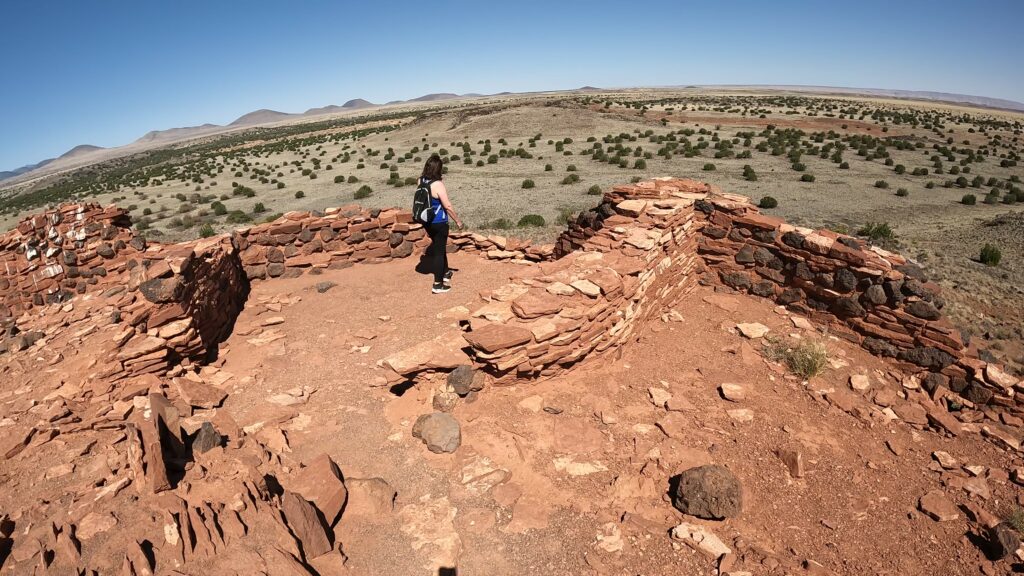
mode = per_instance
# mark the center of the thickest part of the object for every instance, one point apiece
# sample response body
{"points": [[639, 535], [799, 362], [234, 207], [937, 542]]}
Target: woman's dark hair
{"points": [[432, 169]]}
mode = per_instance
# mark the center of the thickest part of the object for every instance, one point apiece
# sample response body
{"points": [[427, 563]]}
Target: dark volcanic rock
{"points": [[977, 393], [880, 347], [934, 381], [737, 280], [1003, 540], [848, 308], [924, 310], [711, 492], [745, 255], [927, 357], [845, 281], [324, 286], [162, 290], [789, 296], [206, 439], [764, 288], [715, 232], [793, 239], [463, 380], [874, 295]]}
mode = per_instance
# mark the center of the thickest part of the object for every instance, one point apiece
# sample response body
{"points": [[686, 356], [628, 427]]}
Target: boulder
{"points": [[162, 290], [1003, 540], [369, 498], [463, 380], [711, 492], [322, 484], [938, 507], [206, 439], [439, 431], [306, 525]]}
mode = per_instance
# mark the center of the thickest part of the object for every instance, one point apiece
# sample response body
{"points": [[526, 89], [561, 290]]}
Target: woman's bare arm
{"points": [[442, 194]]}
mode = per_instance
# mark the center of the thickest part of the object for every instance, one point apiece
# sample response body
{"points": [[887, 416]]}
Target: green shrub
{"points": [[844, 166], [807, 178], [881, 184], [749, 174], [799, 167], [709, 167], [237, 217], [571, 179], [339, 179], [300, 194], [991, 198], [259, 208], [531, 220], [768, 202], [352, 179], [640, 164], [363, 192], [990, 255], [876, 231], [594, 190], [218, 208], [902, 192], [570, 168], [206, 230], [969, 200], [548, 168], [527, 184], [499, 224]]}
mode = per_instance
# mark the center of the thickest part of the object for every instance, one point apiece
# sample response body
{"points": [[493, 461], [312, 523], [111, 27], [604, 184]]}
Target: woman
{"points": [[437, 229]]}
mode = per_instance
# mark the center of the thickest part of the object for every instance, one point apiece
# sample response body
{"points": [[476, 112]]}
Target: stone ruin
{"points": [[153, 314]]}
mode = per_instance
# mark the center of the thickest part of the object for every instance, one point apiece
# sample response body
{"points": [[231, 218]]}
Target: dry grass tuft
{"points": [[807, 358]]}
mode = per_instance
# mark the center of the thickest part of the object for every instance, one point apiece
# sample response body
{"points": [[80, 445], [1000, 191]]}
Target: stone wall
{"points": [[630, 262], [340, 237], [50, 257], [170, 302], [647, 235]]}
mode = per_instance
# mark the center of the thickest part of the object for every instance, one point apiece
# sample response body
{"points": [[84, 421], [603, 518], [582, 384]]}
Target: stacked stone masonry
{"points": [[340, 237], [646, 236], [169, 302]]}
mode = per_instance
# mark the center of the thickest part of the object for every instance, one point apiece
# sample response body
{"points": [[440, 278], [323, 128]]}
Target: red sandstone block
{"points": [[755, 220]]}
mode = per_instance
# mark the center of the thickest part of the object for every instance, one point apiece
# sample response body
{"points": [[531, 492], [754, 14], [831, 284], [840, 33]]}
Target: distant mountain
{"points": [[355, 104], [177, 133], [81, 149], [435, 97], [74, 152], [262, 116], [358, 103], [588, 89], [323, 110], [26, 168]]}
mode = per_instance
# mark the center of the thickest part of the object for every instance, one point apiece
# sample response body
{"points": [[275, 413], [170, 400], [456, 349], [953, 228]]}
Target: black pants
{"points": [[437, 253]]}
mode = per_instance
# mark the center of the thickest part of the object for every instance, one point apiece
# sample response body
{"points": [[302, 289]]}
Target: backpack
{"points": [[422, 211]]}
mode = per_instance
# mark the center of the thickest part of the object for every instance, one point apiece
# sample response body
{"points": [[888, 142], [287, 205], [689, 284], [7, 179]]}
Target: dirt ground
{"points": [[570, 475]]}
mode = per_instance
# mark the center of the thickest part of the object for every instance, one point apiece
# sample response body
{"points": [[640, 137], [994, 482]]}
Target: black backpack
{"points": [[422, 211]]}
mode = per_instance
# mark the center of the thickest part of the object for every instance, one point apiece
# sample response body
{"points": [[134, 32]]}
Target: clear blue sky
{"points": [[105, 72]]}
